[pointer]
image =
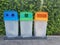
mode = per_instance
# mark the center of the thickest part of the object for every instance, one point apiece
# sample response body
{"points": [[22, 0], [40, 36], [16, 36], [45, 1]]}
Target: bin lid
{"points": [[26, 16], [41, 16], [10, 15]]}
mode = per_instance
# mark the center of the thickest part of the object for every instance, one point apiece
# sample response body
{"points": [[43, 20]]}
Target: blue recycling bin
{"points": [[11, 23], [26, 22]]}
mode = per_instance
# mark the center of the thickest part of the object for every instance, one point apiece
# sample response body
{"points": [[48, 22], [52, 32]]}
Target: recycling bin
{"points": [[11, 23], [26, 21], [40, 24]]}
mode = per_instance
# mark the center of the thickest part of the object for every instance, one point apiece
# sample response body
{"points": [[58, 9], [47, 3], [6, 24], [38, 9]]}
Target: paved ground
{"points": [[51, 40]]}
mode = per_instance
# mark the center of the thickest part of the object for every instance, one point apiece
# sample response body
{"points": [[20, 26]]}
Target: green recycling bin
{"points": [[26, 22]]}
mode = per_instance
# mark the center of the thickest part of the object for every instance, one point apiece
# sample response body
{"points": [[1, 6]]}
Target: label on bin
{"points": [[43, 16]]}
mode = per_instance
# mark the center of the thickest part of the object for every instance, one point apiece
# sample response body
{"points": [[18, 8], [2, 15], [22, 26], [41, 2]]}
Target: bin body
{"points": [[26, 28], [40, 24], [26, 24], [11, 23], [40, 28]]}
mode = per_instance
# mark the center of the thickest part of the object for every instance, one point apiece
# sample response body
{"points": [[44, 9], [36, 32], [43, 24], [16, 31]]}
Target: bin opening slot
{"points": [[26, 15], [6, 14], [12, 15], [41, 15]]}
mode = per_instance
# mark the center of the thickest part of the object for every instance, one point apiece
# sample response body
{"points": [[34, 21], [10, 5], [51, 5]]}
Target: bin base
{"points": [[24, 38]]}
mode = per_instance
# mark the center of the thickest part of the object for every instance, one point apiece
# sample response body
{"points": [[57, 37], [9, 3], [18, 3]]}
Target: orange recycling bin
{"points": [[40, 24]]}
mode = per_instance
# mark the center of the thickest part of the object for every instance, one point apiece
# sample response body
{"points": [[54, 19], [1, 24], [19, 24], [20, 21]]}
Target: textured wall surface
{"points": [[51, 40]]}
